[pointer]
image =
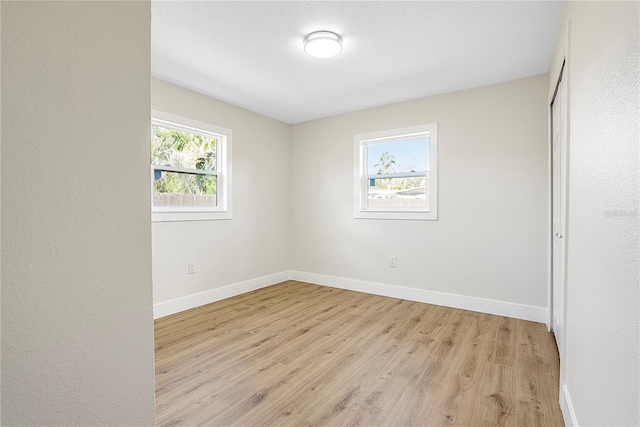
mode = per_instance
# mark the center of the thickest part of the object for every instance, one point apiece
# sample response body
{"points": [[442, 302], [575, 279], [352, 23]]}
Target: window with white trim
{"points": [[190, 169], [396, 174]]}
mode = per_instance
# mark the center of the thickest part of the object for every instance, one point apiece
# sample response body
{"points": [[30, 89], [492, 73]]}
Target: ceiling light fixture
{"points": [[323, 44]]}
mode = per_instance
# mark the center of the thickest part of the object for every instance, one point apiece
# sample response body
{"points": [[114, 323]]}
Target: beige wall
{"points": [[255, 243], [490, 237], [77, 329], [601, 368]]}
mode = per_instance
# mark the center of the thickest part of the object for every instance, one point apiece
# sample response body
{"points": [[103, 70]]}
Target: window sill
{"points": [[419, 216], [189, 216]]}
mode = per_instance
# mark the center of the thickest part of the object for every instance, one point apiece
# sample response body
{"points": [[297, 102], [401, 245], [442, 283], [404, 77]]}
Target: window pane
{"points": [[170, 147], [397, 192], [184, 189], [404, 155]]}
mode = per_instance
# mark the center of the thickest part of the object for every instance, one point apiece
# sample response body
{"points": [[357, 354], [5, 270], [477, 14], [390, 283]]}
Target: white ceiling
{"points": [[250, 53]]}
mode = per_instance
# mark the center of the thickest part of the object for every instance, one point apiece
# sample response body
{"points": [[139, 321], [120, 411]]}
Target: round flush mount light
{"points": [[323, 44]]}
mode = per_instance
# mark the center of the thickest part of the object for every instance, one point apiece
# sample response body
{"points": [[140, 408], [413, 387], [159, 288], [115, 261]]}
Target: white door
{"points": [[559, 203]]}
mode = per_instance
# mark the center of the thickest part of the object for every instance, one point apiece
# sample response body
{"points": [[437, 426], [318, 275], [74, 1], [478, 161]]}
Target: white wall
{"points": [[77, 329], [0, 217], [255, 243], [602, 362], [490, 239]]}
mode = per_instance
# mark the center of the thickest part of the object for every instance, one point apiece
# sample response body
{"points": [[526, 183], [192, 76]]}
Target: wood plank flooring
{"points": [[301, 354]]}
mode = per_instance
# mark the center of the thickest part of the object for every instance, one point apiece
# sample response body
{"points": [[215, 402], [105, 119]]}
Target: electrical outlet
{"points": [[192, 268], [393, 261]]}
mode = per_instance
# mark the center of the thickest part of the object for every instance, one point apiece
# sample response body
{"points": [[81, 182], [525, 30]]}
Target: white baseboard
{"points": [[568, 413], [501, 308], [177, 305]]}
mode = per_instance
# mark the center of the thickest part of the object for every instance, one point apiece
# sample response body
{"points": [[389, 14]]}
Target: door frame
{"points": [[561, 64], [561, 185]]}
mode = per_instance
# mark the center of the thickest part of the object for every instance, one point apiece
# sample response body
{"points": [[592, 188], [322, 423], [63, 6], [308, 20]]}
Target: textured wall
{"points": [[256, 241], [490, 237], [602, 315], [77, 330]]}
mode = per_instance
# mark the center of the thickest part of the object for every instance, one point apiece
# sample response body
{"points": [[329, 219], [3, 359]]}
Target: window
{"points": [[396, 175], [190, 169]]}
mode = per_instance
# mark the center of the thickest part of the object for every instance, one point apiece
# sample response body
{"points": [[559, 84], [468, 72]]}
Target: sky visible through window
{"points": [[408, 155]]}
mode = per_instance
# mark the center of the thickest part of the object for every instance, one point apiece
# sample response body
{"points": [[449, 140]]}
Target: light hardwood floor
{"points": [[301, 354]]}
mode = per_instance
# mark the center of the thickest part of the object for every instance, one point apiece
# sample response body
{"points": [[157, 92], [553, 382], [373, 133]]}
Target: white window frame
{"points": [[361, 177], [224, 137]]}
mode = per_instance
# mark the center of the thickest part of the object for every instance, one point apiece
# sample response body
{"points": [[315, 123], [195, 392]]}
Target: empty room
{"points": [[372, 213]]}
